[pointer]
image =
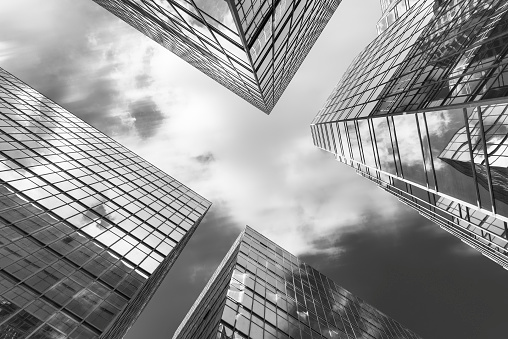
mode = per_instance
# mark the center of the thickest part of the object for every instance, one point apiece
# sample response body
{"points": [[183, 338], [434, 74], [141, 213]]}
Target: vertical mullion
{"points": [[422, 150], [430, 152], [471, 156], [486, 157]]}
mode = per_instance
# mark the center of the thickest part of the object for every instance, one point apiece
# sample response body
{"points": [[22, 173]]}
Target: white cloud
{"points": [[265, 172]]}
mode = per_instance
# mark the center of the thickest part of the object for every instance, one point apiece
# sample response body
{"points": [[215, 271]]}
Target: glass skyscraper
{"points": [[88, 229], [422, 112], [252, 47], [261, 291]]}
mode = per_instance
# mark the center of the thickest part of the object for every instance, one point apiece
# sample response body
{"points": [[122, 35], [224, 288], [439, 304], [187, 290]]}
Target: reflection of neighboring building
{"points": [[453, 60], [421, 104], [251, 47], [456, 153], [262, 291], [88, 229]]}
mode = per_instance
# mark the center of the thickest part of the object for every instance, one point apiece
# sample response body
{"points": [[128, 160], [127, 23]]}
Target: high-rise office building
{"points": [[254, 48], [261, 291], [88, 229], [422, 112]]}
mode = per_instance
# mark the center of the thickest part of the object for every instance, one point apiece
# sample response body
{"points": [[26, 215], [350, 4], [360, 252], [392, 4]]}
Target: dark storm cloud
{"points": [[420, 275], [148, 117], [206, 158], [199, 259]]}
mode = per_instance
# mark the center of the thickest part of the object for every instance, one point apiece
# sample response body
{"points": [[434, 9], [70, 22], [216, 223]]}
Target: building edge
{"points": [[131, 313], [205, 290]]}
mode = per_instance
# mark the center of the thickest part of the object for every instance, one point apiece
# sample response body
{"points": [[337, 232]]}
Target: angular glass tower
{"points": [[251, 47], [262, 291], [422, 111], [88, 229]]}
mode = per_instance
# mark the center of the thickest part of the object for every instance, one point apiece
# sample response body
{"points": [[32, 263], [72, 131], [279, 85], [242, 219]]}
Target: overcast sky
{"points": [[256, 169]]}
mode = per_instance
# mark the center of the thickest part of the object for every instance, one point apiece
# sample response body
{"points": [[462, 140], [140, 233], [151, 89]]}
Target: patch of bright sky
{"points": [[266, 172]]}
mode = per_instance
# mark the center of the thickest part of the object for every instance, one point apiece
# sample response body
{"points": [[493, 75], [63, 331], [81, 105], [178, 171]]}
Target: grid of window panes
{"points": [[438, 54], [392, 10], [256, 62], [272, 294], [84, 222], [279, 34], [459, 155]]}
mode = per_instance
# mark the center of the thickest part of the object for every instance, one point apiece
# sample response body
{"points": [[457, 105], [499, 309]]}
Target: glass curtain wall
{"points": [[88, 229], [422, 113], [254, 48], [261, 291]]}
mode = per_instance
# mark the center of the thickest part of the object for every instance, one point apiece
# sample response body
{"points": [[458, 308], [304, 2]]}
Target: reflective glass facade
{"points": [[252, 47], [392, 10], [261, 291], [88, 229], [422, 112]]}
